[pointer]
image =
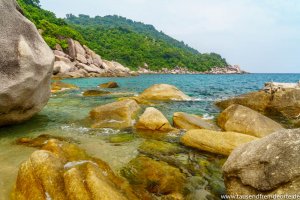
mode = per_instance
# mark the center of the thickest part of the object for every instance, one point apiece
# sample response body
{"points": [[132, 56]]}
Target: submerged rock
{"points": [[121, 138], [41, 140], [280, 104], [164, 92], [241, 119], [26, 64], [90, 93], [215, 141], [266, 166], [58, 86], [63, 171], [153, 119], [109, 85], [154, 176], [186, 121], [154, 147], [118, 115]]}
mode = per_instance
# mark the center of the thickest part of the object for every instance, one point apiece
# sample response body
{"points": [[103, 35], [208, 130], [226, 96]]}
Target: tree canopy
{"points": [[120, 39]]}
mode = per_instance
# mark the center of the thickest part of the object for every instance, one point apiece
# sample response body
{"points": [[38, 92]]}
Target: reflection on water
{"points": [[66, 115]]}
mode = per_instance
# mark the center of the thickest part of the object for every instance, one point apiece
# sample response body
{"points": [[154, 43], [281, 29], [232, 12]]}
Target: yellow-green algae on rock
{"points": [[63, 171]]}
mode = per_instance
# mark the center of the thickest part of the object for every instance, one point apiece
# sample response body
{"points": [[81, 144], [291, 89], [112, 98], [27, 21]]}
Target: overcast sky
{"points": [[259, 35]]}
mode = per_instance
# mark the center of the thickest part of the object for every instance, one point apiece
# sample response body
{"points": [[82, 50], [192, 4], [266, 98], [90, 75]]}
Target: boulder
{"points": [[282, 104], [215, 141], [266, 166], [187, 121], [26, 64], [58, 86], [109, 85], [64, 171], [241, 119], [90, 93], [89, 69], [63, 67], [116, 115], [164, 92], [156, 177], [153, 119]]}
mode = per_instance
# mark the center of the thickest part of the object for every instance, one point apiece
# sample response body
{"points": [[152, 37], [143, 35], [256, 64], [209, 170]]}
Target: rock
{"points": [[58, 86], [186, 121], [266, 166], [241, 119], [63, 171], [109, 85], [153, 119], [283, 104], [154, 176], [155, 147], [89, 69], [26, 64], [215, 141], [90, 93], [117, 115], [121, 138], [164, 92], [63, 67], [41, 140]]}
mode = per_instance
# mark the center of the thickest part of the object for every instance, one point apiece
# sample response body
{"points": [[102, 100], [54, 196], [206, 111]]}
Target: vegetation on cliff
{"points": [[120, 39]]}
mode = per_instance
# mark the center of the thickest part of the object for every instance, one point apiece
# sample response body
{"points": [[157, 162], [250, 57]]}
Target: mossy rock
{"points": [[109, 85], [156, 177], [58, 86], [91, 93], [159, 147], [121, 138]]}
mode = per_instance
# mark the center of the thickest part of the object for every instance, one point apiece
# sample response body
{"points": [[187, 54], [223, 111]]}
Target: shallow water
{"points": [[66, 113]]}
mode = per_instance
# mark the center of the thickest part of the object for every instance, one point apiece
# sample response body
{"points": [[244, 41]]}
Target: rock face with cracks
{"points": [[270, 165], [26, 64]]}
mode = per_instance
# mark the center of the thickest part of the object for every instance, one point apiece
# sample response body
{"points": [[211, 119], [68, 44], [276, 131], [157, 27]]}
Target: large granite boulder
{"points": [[164, 92], [281, 104], [153, 119], [187, 121], [116, 115], [26, 64], [270, 165], [64, 171], [241, 119], [214, 141]]}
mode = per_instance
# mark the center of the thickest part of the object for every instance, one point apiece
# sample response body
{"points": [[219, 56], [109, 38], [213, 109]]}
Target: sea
{"points": [[66, 114]]}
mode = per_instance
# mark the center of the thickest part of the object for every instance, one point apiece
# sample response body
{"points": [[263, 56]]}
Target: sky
{"points": [[259, 35]]}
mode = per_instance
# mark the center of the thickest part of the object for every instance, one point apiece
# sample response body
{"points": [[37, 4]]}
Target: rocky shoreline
{"points": [[256, 147], [79, 61], [181, 70]]}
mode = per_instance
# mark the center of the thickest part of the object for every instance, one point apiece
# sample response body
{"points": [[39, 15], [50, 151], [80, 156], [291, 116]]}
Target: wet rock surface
{"points": [[118, 115], [187, 121], [61, 170]]}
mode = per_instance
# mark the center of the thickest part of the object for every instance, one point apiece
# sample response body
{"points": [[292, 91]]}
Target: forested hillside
{"points": [[120, 39]]}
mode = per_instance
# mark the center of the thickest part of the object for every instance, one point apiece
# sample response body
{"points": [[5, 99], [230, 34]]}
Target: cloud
{"points": [[260, 35]]}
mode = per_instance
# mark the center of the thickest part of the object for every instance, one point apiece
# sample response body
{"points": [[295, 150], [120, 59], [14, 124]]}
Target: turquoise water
{"points": [[66, 114]]}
